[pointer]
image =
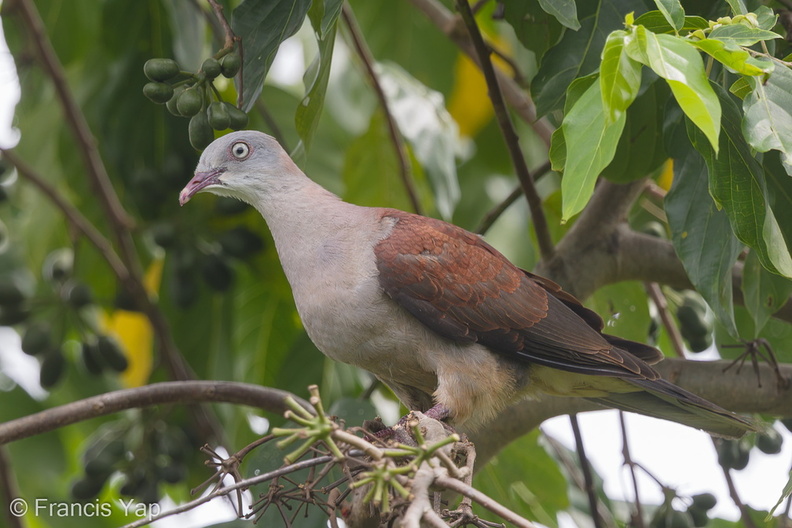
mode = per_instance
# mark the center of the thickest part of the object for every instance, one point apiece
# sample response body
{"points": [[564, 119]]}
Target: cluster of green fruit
{"points": [[99, 352], [189, 261], [734, 454], [696, 514], [146, 456], [191, 95], [695, 324]]}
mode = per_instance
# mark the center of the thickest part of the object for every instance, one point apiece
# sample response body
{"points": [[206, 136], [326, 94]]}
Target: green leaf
{"points": [[323, 19], [535, 28], [565, 11], [641, 150], [677, 61], [738, 7], [764, 292], [767, 123], [741, 87], [731, 56], [620, 76], [591, 143], [577, 53], [656, 22], [263, 25], [428, 128], [777, 333], [742, 35], [702, 236], [737, 184], [673, 12], [624, 308], [525, 477]]}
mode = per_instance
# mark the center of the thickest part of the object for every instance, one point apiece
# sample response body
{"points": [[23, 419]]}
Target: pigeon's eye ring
{"points": [[240, 150]]}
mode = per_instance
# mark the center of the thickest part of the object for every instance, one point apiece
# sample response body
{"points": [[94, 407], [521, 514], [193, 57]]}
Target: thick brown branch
{"points": [[737, 392], [363, 51], [186, 392], [508, 132]]}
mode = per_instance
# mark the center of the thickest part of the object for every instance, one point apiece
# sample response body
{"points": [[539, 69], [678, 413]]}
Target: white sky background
{"points": [[679, 456]]}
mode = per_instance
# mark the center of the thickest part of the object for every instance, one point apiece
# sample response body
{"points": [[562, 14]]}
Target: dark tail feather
{"points": [[662, 399]]}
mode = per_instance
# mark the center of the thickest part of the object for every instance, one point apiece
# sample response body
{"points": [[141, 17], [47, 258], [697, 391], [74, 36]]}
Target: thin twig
{"points": [[242, 484], [363, 51], [8, 490], [73, 216], [660, 302], [421, 503], [585, 466], [735, 497], [229, 33], [509, 135], [444, 481], [154, 394], [638, 520], [522, 105], [493, 214]]}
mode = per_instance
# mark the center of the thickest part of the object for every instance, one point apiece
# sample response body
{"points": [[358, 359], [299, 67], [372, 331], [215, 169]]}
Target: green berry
{"points": [[770, 442], [237, 119], [52, 368], [37, 339], [160, 70], [171, 105], [211, 67], [200, 132], [704, 501], [218, 116], [112, 354], [158, 92], [10, 292], [190, 102], [91, 358], [230, 64], [78, 294]]}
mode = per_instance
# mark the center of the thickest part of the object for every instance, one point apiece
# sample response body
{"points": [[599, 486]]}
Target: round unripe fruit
{"points": [[78, 295], [52, 368], [91, 358], [237, 119], [704, 501], [699, 516], [770, 442], [112, 354], [172, 102], [159, 70], [10, 292], [158, 92], [218, 116], [37, 339], [211, 67], [190, 102], [200, 132], [86, 488], [230, 64]]}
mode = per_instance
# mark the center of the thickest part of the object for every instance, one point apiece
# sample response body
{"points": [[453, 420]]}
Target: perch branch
{"points": [[147, 395]]}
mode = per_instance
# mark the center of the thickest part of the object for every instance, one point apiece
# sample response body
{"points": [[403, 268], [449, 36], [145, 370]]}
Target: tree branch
{"points": [[187, 392], [507, 130], [447, 23], [734, 391], [363, 51]]}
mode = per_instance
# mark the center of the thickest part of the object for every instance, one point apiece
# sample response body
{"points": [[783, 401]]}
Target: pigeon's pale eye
{"points": [[240, 150]]}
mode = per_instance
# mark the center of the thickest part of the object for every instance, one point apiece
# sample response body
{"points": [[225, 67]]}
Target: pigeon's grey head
{"points": [[240, 165]]}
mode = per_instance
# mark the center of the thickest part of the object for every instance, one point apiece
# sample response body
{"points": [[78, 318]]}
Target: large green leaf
{"points": [[656, 22], [737, 184], [262, 26], [536, 29], [677, 61], [565, 11], [624, 308], [429, 129], [526, 478], [673, 13], [324, 18], [578, 52], [620, 76], [641, 150], [732, 56], [590, 145], [767, 123], [764, 292], [741, 34], [702, 236]]}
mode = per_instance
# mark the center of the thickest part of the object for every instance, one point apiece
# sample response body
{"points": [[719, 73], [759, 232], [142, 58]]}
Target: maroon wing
{"points": [[465, 290]]}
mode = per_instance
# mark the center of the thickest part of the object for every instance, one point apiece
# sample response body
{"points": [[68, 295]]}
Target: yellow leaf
{"points": [[134, 334], [666, 177]]}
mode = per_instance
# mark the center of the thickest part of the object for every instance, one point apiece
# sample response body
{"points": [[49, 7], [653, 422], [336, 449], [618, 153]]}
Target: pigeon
{"points": [[434, 311]]}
